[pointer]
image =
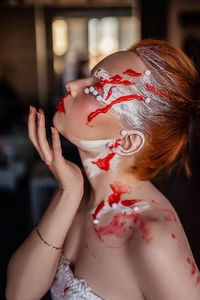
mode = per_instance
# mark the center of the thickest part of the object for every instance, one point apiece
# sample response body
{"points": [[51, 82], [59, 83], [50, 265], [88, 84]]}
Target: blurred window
{"points": [[89, 40], [111, 34]]}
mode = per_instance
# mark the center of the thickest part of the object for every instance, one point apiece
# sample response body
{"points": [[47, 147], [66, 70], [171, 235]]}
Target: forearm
{"points": [[32, 267]]}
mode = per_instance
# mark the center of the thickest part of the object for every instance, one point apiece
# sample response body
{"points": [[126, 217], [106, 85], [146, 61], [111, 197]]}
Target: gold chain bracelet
{"points": [[53, 247]]}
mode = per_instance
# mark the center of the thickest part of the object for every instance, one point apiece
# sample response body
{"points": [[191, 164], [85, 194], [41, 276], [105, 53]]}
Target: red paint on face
{"points": [[109, 93], [118, 189], [116, 227], [173, 236], [117, 79], [98, 86], [132, 73], [61, 106], [193, 268], [66, 289], [108, 107], [129, 202], [98, 209], [104, 163]]}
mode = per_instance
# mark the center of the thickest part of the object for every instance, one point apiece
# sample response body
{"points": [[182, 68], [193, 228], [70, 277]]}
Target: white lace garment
{"points": [[68, 287]]}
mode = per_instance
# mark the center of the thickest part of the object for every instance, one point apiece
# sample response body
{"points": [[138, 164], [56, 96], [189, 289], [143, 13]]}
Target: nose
{"points": [[73, 87], [77, 86]]}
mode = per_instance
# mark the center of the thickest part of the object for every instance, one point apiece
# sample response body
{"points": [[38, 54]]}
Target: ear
{"points": [[131, 143]]}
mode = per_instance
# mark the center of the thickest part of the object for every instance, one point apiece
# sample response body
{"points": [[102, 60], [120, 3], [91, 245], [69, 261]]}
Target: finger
{"points": [[32, 130], [56, 144], [42, 139]]}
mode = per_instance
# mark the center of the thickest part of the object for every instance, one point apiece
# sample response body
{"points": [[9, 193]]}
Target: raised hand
{"points": [[67, 174]]}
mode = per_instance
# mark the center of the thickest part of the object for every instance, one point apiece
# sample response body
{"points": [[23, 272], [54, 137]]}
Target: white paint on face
{"points": [[133, 110]]}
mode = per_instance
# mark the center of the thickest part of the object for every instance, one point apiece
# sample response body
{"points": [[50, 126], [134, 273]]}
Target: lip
{"points": [[61, 104]]}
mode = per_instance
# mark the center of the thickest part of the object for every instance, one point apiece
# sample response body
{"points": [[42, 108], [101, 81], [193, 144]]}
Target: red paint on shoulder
{"points": [[146, 233], [98, 86], [170, 215], [153, 201], [198, 279], [66, 289], [118, 189], [173, 236], [131, 72], [129, 202], [104, 163], [193, 267], [98, 209], [117, 228]]}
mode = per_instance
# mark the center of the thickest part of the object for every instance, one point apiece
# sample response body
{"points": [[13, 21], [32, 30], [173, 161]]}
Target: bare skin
{"points": [[147, 257]]}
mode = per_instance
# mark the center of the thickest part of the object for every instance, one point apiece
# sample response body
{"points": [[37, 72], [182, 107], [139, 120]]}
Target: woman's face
{"points": [[78, 105]]}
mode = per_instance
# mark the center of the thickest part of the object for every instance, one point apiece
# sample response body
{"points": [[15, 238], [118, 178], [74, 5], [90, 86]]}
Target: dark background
{"points": [[26, 185]]}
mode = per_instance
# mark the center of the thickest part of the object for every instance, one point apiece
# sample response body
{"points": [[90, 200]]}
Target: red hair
{"points": [[168, 138]]}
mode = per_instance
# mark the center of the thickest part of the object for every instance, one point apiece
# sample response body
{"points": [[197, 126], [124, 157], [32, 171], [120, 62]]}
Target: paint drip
{"points": [[135, 99]]}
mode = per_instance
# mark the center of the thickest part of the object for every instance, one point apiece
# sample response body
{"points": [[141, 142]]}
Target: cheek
{"points": [[104, 126], [81, 108], [75, 117]]}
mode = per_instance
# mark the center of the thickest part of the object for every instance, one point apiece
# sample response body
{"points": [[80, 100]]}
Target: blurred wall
{"points": [[17, 50]]}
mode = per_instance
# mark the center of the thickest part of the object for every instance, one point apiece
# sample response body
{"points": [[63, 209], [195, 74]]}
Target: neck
{"points": [[111, 179]]}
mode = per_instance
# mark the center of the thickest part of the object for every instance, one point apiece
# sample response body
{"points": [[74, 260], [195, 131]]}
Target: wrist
{"points": [[72, 191]]}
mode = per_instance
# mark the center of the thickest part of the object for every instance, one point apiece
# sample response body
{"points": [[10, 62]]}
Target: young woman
{"points": [[120, 238]]}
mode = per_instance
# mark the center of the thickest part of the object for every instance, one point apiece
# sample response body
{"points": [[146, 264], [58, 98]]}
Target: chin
{"points": [[58, 124], [55, 120]]}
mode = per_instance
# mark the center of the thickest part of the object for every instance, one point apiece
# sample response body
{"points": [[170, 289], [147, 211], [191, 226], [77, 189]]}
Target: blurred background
{"points": [[44, 44]]}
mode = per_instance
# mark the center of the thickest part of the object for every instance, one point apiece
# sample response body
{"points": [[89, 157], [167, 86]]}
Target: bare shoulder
{"points": [[162, 258]]}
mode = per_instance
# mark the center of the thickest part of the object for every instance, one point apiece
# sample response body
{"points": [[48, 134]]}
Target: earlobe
{"points": [[131, 143]]}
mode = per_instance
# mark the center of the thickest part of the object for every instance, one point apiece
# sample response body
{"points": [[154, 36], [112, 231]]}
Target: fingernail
{"points": [[52, 130], [30, 108]]}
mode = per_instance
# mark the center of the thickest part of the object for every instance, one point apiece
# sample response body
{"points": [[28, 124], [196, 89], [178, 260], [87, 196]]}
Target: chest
{"points": [[101, 260]]}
